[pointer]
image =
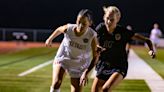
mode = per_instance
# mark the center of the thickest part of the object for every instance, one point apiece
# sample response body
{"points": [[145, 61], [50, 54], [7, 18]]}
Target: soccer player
{"points": [[75, 52], [155, 35], [112, 65]]}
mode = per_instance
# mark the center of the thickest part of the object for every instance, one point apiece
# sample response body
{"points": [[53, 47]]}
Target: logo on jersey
{"points": [[77, 45], [85, 40], [117, 37], [108, 44]]}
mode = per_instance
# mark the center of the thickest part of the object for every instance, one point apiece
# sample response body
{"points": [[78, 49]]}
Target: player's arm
{"points": [[57, 32], [148, 42], [83, 78], [95, 55], [160, 34]]}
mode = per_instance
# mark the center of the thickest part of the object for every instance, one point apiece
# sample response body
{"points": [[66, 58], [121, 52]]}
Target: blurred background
{"points": [[36, 19]]}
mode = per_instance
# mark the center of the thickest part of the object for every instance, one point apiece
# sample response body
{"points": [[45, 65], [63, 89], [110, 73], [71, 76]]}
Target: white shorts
{"points": [[155, 41], [74, 67]]}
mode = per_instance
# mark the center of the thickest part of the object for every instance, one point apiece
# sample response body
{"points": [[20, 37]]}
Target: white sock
{"points": [[54, 90]]}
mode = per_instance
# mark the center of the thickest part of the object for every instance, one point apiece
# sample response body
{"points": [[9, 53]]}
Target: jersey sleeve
{"points": [[92, 33], [129, 34], [160, 33], [99, 29], [68, 28]]}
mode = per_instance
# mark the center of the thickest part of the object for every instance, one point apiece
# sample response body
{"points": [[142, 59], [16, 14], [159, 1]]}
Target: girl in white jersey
{"points": [[74, 54], [155, 35]]}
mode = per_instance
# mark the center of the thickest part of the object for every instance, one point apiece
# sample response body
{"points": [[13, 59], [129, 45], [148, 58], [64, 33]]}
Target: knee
{"points": [[106, 89], [56, 84]]}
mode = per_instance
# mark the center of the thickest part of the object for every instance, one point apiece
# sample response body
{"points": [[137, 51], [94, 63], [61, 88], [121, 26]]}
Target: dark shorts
{"points": [[104, 71]]}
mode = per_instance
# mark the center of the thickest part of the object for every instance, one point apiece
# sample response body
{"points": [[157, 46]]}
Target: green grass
{"points": [[125, 86], [23, 60], [12, 64], [157, 64]]}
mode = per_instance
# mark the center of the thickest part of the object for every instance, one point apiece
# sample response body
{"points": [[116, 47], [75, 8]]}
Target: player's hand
{"points": [[100, 49], [48, 43], [152, 54], [83, 79]]}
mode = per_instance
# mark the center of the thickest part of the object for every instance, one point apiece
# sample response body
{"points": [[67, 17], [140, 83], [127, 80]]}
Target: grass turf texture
{"points": [[157, 64], [12, 64]]}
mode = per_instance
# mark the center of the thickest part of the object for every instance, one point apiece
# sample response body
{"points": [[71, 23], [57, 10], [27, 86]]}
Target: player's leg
{"points": [[155, 47], [112, 82], [97, 85], [75, 87], [155, 42], [58, 73]]}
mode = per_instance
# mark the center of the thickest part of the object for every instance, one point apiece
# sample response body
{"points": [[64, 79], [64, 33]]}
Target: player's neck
{"points": [[110, 30], [79, 32]]}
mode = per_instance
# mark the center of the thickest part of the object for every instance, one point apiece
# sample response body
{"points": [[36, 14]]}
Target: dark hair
{"points": [[87, 13]]}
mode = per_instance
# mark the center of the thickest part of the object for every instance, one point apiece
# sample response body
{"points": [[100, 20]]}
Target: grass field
{"points": [[157, 64], [12, 64]]}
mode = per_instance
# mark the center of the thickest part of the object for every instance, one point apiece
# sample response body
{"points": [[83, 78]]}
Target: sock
{"points": [[54, 90]]}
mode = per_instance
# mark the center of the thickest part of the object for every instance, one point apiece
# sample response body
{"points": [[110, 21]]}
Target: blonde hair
{"points": [[113, 9]]}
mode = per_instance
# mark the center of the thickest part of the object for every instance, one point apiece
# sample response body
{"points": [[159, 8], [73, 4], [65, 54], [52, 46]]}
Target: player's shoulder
{"points": [[120, 27], [70, 27], [123, 29], [100, 26], [92, 32], [91, 29]]}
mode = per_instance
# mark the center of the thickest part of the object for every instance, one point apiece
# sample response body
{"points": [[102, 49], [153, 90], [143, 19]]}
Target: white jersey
{"points": [[75, 51], [155, 35]]}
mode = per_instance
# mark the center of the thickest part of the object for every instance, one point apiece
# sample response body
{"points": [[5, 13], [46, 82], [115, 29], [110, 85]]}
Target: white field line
{"points": [[139, 69], [35, 68]]}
